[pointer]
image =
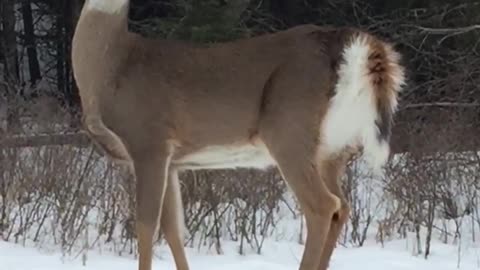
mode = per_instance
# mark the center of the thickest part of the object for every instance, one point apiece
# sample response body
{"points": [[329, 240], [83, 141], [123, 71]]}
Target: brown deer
{"points": [[303, 100]]}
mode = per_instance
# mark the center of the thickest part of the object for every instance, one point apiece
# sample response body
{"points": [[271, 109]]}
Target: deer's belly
{"points": [[225, 157]]}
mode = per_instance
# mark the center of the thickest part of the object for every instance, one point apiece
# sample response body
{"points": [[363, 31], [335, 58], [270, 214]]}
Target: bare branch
{"points": [[443, 31], [75, 139]]}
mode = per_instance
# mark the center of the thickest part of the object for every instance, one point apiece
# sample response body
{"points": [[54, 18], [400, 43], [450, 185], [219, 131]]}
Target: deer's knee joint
{"points": [[343, 213], [325, 206]]}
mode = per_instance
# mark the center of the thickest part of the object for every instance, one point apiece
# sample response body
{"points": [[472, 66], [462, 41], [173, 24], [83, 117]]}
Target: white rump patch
{"points": [[350, 119], [107, 6], [227, 157]]}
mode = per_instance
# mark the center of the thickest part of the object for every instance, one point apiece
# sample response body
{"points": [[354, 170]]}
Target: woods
{"points": [[439, 42], [48, 177]]}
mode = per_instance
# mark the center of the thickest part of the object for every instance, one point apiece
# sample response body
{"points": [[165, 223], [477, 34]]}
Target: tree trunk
{"points": [[30, 43], [10, 61], [9, 42], [60, 51], [72, 11]]}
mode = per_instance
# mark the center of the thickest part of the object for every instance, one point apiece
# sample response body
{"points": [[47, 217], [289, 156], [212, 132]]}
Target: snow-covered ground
{"points": [[277, 256]]}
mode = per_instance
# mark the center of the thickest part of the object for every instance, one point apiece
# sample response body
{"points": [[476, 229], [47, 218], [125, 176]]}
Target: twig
{"points": [[441, 104]]}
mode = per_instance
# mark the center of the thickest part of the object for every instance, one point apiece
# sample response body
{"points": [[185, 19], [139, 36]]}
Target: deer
{"points": [[304, 100]]}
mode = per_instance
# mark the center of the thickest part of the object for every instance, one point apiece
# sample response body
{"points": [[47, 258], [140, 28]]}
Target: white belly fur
{"points": [[227, 157]]}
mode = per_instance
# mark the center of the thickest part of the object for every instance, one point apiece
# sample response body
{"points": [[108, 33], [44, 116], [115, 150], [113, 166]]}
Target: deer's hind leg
{"points": [[332, 170], [295, 157], [318, 203], [289, 126]]}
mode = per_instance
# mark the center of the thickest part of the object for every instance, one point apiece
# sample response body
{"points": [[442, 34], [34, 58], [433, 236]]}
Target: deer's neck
{"points": [[104, 17], [102, 28], [101, 41]]}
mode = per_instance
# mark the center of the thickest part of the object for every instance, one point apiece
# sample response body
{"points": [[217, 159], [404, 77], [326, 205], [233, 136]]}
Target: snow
{"points": [[277, 255]]}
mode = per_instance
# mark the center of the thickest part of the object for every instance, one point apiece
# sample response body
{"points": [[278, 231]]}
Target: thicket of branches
{"points": [[59, 187], [73, 198]]}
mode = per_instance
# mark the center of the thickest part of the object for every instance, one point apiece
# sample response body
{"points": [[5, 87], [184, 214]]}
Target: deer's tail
{"points": [[369, 79]]}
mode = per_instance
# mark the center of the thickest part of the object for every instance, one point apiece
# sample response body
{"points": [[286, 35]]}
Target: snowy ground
{"points": [[277, 256], [280, 251]]}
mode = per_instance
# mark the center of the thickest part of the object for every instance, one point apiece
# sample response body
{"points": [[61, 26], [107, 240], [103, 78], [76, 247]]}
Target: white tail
{"points": [[353, 116]]}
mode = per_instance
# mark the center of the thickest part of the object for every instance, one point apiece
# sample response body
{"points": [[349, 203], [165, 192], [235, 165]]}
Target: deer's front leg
{"points": [[151, 172], [172, 221]]}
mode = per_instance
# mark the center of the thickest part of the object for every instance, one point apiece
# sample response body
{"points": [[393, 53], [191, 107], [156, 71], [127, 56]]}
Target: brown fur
{"points": [[381, 70], [150, 103]]}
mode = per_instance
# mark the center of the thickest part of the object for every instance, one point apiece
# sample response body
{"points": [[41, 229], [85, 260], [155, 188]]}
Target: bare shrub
{"points": [[54, 195]]}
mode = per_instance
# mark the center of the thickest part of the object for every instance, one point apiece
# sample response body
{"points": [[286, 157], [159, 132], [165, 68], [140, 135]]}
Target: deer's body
{"points": [[195, 87], [299, 99]]}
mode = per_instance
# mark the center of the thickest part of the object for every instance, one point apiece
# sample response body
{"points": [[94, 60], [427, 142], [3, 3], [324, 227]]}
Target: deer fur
{"points": [[303, 100]]}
